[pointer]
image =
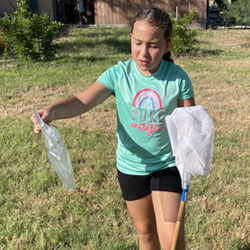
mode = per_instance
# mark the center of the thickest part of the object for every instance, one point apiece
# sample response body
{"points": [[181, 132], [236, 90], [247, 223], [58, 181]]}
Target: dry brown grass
{"points": [[222, 81], [102, 117]]}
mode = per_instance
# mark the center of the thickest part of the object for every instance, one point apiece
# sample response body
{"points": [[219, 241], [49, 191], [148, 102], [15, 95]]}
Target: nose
{"points": [[145, 50]]}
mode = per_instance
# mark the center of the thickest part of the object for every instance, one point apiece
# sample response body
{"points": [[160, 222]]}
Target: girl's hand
{"points": [[47, 116]]}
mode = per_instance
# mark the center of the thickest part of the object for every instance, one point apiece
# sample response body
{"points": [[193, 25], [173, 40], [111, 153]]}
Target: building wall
{"points": [[7, 6], [109, 12], [122, 11], [48, 6]]}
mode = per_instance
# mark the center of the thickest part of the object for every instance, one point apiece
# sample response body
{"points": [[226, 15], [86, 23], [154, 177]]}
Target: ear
{"points": [[168, 46]]}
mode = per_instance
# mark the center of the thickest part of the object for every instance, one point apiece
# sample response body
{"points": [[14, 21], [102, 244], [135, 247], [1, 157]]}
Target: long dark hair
{"points": [[159, 18]]}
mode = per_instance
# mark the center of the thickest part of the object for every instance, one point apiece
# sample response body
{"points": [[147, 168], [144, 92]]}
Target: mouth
{"points": [[144, 62]]}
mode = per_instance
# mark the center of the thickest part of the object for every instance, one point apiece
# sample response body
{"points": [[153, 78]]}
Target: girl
{"points": [[80, 8], [147, 89]]}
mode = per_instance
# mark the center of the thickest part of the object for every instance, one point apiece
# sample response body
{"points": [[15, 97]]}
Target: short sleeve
{"points": [[186, 88], [109, 77]]}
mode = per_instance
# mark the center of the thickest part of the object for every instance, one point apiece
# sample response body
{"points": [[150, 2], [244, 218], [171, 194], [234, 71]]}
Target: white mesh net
{"points": [[191, 134]]}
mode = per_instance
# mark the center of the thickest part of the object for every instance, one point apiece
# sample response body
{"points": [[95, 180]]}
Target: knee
{"points": [[147, 234]]}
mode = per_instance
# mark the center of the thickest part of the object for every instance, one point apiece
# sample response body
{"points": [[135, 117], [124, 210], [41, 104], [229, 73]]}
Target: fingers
{"points": [[37, 128], [46, 115]]}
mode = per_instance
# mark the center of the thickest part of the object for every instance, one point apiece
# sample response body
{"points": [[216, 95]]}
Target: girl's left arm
{"points": [[186, 102]]}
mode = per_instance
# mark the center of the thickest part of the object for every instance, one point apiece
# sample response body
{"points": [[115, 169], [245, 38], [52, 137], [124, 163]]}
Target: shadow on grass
{"points": [[247, 247], [106, 39], [106, 31], [79, 59], [245, 45], [210, 52], [206, 51], [78, 46], [199, 53]]}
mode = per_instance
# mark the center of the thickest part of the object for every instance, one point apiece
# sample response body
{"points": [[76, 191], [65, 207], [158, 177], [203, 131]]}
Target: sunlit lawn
{"points": [[37, 212]]}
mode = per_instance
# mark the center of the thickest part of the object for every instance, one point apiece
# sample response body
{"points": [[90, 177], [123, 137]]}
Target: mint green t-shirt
{"points": [[142, 102]]}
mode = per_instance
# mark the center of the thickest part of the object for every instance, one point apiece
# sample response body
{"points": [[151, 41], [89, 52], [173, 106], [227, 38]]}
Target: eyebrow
{"points": [[151, 42]]}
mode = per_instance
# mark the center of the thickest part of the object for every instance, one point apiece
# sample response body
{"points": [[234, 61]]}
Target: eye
{"points": [[137, 43], [154, 46]]}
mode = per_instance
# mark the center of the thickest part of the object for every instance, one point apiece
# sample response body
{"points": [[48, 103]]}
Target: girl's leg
{"points": [[80, 17], [166, 206], [142, 213]]}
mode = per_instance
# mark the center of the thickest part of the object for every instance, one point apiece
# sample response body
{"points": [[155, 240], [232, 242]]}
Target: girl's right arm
{"points": [[73, 106]]}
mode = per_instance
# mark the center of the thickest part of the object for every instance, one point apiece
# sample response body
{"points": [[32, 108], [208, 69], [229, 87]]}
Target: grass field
{"points": [[37, 212]]}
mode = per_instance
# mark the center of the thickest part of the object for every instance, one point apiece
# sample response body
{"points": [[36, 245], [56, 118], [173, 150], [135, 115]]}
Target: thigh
{"points": [[142, 213], [166, 206]]}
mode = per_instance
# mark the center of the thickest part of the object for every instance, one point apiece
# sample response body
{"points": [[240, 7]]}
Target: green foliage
{"points": [[184, 39], [238, 12], [29, 35]]}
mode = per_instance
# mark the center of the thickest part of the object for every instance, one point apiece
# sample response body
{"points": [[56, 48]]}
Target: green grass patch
{"points": [[37, 212]]}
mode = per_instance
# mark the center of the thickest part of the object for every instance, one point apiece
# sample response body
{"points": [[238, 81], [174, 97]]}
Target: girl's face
{"points": [[148, 45]]}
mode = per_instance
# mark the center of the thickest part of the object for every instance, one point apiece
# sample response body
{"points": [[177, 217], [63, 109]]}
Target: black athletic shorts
{"points": [[135, 187]]}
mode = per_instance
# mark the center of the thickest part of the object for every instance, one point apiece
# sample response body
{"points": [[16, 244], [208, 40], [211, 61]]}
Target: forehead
{"points": [[142, 30]]}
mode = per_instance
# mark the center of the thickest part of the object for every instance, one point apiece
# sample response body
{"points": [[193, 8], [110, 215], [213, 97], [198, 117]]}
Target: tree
{"points": [[238, 12]]}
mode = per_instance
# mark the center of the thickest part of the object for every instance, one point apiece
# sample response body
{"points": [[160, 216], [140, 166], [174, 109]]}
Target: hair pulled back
{"points": [[158, 18]]}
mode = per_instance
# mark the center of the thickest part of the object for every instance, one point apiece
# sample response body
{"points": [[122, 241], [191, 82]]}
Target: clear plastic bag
{"points": [[191, 134], [57, 153]]}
